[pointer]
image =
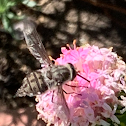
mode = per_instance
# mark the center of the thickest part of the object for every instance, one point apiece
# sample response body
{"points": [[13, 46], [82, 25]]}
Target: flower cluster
{"points": [[89, 103]]}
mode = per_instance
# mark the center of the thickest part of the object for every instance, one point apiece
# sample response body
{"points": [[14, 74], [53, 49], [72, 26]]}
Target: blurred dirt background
{"points": [[97, 22]]}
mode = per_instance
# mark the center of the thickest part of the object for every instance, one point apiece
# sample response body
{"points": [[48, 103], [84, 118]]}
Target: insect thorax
{"points": [[61, 74]]}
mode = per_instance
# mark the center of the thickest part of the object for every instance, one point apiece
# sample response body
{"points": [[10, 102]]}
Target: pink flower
{"points": [[90, 102]]}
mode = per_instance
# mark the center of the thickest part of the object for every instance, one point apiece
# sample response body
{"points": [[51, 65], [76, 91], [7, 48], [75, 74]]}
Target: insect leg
{"points": [[75, 86], [71, 93], [52, 97]]}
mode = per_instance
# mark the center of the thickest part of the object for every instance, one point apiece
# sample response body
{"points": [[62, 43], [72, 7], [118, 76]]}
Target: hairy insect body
{"points": [[40, 81], [32, 85], [62, 73]]}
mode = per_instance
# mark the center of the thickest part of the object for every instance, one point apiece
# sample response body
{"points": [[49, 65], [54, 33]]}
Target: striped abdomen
{"points": [[33, 84]]}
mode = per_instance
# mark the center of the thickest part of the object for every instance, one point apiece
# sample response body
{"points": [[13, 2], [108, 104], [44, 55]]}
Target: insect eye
{"points": [[59, 78], [49, 75]]}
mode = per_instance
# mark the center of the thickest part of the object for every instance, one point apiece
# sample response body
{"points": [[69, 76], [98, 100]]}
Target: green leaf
{"points": [[122, 119], [11, 3], [25, 1], [2, 9], [3, 3], [19, 17], [5, 22], [3, 6], [10, 15], [6, 4], [10, 29], [31, 4]]}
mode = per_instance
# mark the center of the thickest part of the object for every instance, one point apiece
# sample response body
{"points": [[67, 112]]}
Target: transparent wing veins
{"points": [[63, 101], [35, 44]]}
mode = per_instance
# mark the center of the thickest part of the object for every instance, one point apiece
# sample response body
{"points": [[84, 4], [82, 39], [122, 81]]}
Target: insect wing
{"points": [[35, 44], [33, 84], [62, 101]]}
